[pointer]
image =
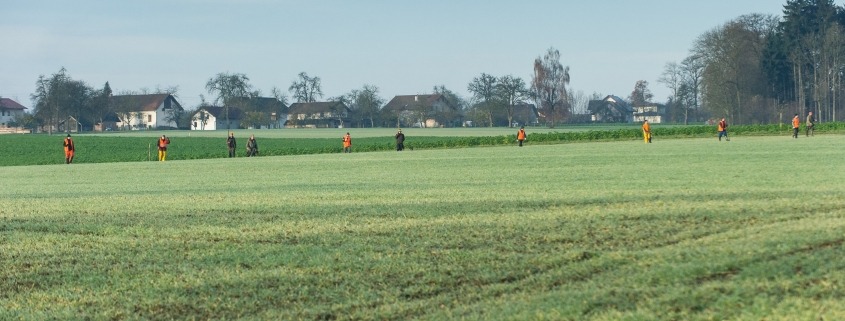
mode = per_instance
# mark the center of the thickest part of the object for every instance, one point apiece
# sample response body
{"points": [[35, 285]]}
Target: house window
{"points": [[149, 118]]}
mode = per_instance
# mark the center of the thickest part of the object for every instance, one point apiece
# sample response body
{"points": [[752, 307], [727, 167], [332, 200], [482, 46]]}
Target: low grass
{"points": [[684, 229]]}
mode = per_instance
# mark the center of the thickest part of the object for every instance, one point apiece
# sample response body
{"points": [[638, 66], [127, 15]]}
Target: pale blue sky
{"points": [[403, 47]]}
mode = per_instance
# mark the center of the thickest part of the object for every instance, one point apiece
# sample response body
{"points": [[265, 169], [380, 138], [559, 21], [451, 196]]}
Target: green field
{"points": [[682, 229]]}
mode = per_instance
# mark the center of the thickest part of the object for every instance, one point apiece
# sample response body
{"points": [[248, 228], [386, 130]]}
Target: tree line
{"points": [[753, 69], [758, 69]]}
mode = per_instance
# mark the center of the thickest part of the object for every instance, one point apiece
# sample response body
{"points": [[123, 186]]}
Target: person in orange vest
{"points": [[796, 124], [723, 130], [520, 135], [646, 131], [347, 143], [162, 148], [69, 149]]}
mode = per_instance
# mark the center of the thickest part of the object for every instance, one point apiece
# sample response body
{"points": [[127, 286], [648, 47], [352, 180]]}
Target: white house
{"points": [[10, 111], [652, 113], [214, 118], [146, 111]]}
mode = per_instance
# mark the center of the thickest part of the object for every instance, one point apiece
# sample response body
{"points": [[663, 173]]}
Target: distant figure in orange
{"points": [[69, 149], [162, 148], [796, 125], [347, 143], [723, 130], [520, 135], [646, 131]]}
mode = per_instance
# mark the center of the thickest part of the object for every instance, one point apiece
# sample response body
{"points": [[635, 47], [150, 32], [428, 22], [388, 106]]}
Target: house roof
{"points": [[263, 104], [316, 107], [143, 102], [220, 112], [10, 104], [611, 100], [405, 102]]}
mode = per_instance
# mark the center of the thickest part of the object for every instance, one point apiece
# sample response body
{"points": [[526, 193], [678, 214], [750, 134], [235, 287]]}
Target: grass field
{"points": [[683, 229]]}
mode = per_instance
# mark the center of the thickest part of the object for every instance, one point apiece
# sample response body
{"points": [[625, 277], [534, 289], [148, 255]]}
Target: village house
{"points": [[610, 109], [525, 115], [146, 111], [419, 110], [651, 112], [261, 112], [10, 112], [214, 118], [330, 114]]}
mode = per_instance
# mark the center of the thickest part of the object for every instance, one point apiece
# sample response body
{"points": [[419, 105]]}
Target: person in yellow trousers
{"points": [[162, 148], [646, 131]]}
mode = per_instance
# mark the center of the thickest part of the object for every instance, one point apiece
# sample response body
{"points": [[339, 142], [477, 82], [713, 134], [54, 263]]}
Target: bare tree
{"points": [[483, 89], [306, 89], [228, 86], [365, 103], [549, 86], [511, 91], [641, 94]]}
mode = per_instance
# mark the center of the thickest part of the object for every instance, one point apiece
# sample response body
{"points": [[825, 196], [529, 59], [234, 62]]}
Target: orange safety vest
{"points": [[162, 143], [796, 122], [68, 144], [521, 134], [722, 125], [347, 141], [646, 128]]}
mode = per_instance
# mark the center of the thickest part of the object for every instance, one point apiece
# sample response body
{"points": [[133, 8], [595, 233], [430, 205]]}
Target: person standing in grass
{"points": [[723, 129], [162, 148], [70, 148], [796, 124], [400, 141], [811, 124], [232, 144], [347, 143], [251, 147], [520, 135], [646, 131]]}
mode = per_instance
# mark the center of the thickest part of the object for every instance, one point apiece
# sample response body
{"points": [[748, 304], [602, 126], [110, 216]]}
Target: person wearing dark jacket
{"points": [[251, 147], [232, 144], [400, 141]]}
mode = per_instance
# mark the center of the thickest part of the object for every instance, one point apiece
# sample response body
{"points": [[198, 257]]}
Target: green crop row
{"points": [[46, 149]]}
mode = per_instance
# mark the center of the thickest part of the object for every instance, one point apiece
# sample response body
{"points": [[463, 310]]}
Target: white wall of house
{"points": [[209, 124], [9, 115], [149, 119], [651, 119]]}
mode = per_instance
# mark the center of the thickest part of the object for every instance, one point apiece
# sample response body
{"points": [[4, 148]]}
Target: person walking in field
{"points": [[400, 141], [811, 124], [723, 129], [251, 147], [520, 135], [162, 148], [646, 131], [796, 124], [232, 144], [70, 148], [347, 143]]}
